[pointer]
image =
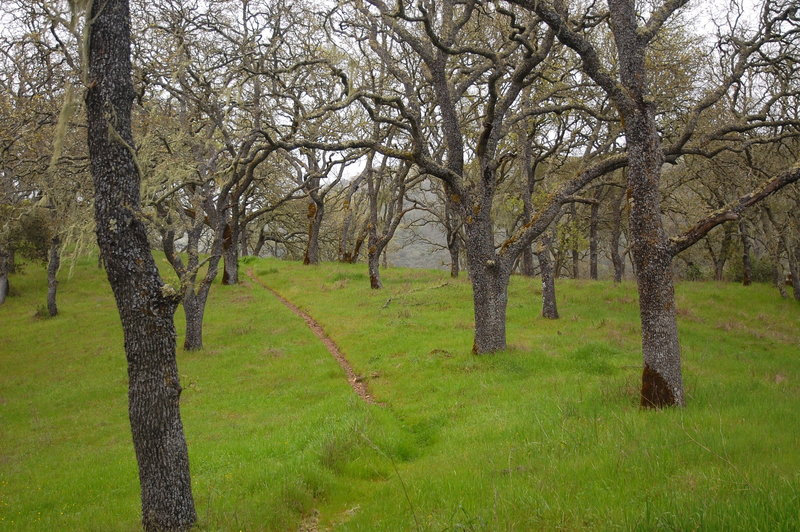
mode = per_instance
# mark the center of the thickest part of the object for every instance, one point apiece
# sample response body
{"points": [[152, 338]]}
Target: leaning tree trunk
{"points": [[549, 307], [662, 382], [145, 307], [53, 264], [747, 268], [316, 210]]}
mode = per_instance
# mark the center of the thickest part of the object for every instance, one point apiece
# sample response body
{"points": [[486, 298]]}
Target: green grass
{"points": [[544, 436]]}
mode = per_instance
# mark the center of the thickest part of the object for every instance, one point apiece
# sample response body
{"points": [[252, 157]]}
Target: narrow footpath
{"points": [[356, 382]]}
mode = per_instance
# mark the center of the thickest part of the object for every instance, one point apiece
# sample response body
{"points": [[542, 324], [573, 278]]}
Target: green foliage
{"points": [[33, 233], [545, 436]]}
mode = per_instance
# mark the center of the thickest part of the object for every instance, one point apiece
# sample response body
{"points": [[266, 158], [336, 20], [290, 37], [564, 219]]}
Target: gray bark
{"points": [[53, 264], [194, 309], [489, 277], [146, 310], [452, 227], [593, 222], [316, 211], [549, 306], [773, 247], [574, 251], [747, 268], [4, 271], [616, 232], [662, 381], [230, 255]]}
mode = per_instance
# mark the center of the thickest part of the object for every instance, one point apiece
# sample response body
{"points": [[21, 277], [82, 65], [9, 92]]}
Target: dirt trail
{"points": [[356, 382]]}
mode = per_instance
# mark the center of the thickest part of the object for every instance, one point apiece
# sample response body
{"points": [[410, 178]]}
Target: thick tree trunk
{"points": [[145, 308], [747, 268], [316, 210], [526, 262], [53, 264], [549, 306], [662, 382], [489, 278], [193, 309], [616, 232]]}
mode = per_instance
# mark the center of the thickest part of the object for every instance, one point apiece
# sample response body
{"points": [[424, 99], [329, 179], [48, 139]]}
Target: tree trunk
{"points": [[146, 310], [316, 210], [373, 251], [489, 278], [574, 251], [373, 261], [794, 266], [725, 249], [616, 233], [4, 271], [593, 222], [451, 225], [230, 255], [747, 269], [773, 248], [549, 307], [53, 264], [454, 248], [662, 382], [193, 309]]}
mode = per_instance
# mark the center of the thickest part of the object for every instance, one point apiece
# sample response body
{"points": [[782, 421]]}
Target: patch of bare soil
{"points": [[356, 381]]}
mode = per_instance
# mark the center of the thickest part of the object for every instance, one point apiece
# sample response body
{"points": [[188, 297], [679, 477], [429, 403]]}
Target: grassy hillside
{"points": [[547, 435]]}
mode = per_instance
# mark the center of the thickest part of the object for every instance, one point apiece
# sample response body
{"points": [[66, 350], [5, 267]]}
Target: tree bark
{"points": [[549, 307], [489, 277], [593, 222], [773, 247], [316, 210], [145, 306], [53, 264], [230, 255], [452, 226], [5, 286], [747, 268], [662, 382], [616, 232], [721, 258], [574, 251], [193, 309]]}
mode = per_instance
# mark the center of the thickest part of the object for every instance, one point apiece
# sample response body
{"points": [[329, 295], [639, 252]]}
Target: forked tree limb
{"points": [[733, 210]]}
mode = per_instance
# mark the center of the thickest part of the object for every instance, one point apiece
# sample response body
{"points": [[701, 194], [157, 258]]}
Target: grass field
{"points": [[545, 436]]}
